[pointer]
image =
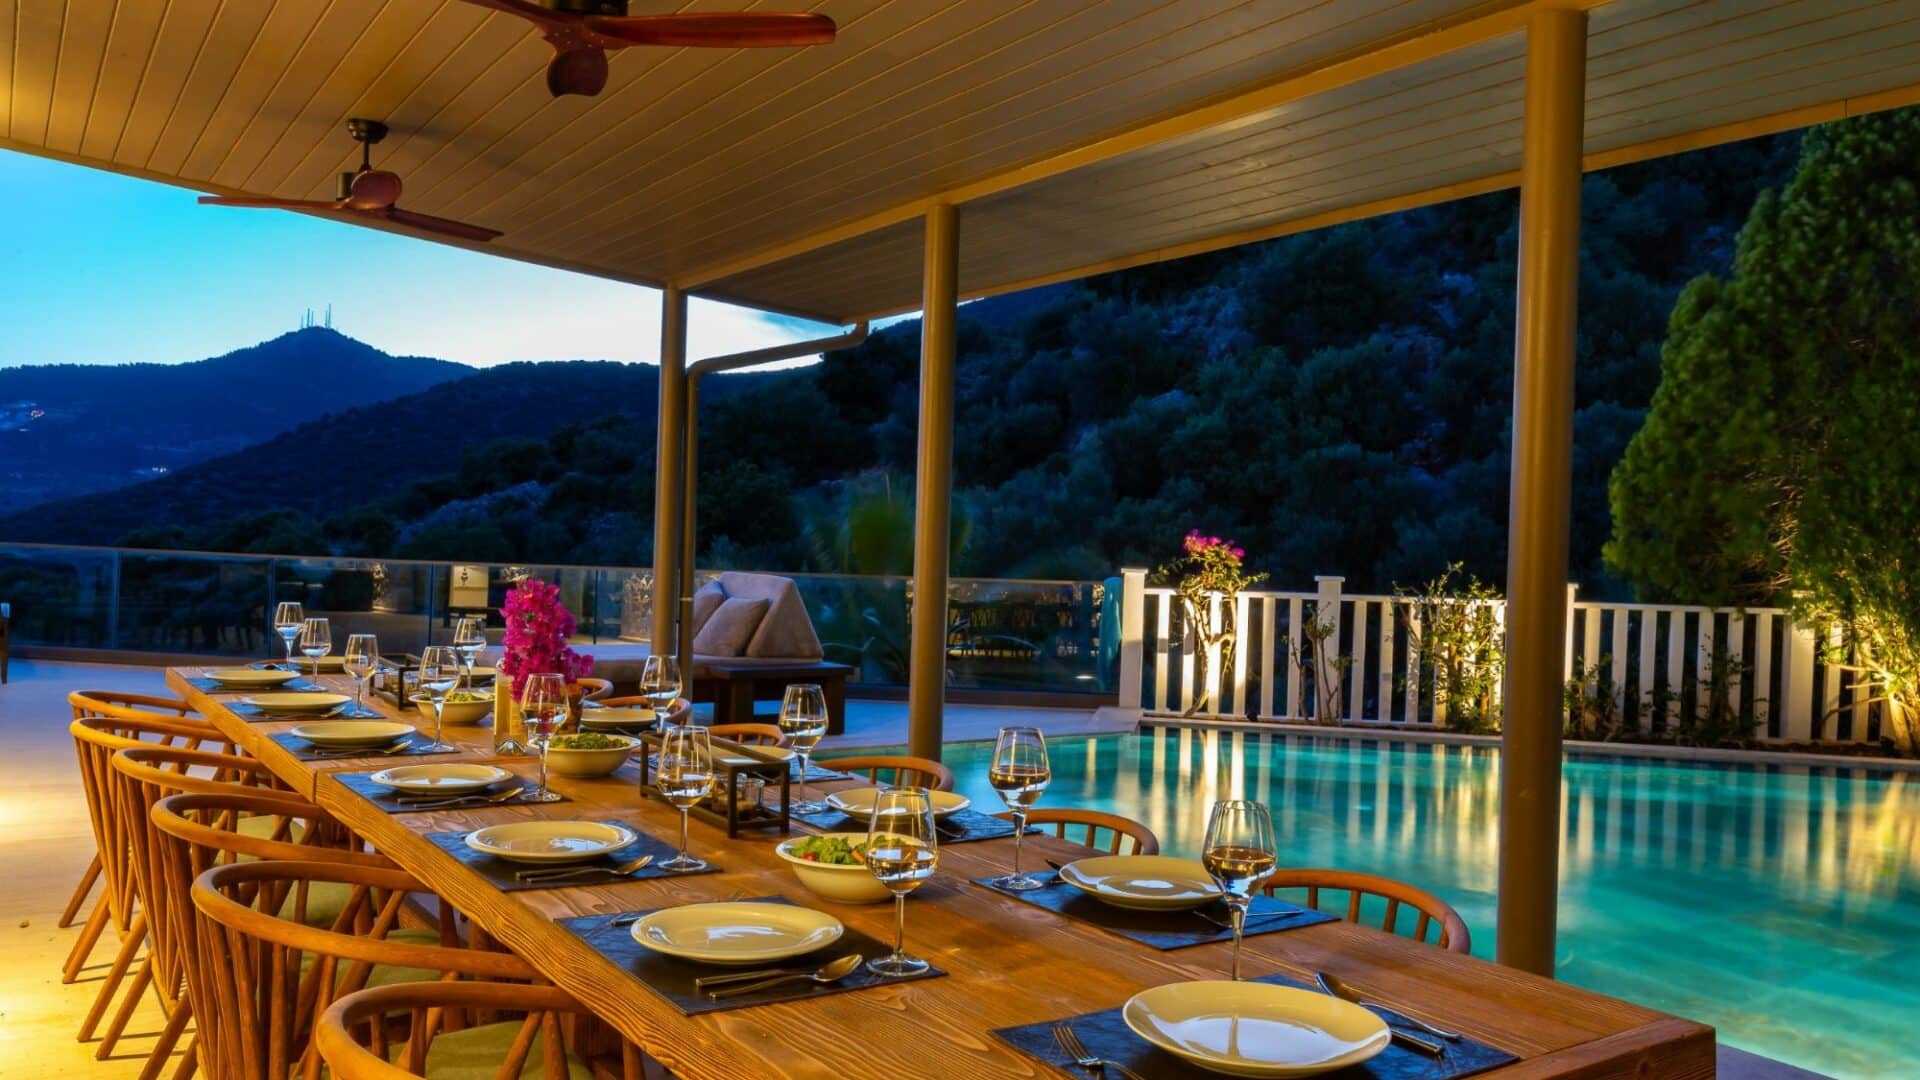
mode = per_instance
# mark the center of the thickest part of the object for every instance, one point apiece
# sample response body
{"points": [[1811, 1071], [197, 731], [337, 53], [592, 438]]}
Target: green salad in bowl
{"points": [[832, 850], [834, 866]]}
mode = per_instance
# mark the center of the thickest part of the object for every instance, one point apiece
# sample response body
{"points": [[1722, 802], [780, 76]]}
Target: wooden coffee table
{"points": [[737, 684]]}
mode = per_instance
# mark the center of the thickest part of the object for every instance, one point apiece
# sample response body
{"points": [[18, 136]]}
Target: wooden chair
{"points": [[900, 771], [528, 1048], [594, 689], [750, 734], [104, 724], [1122, 832], [142, 776], [259, 979], [1430, 910]]}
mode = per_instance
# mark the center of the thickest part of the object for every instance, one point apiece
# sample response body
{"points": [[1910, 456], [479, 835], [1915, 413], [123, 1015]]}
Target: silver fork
{"points": [[1069, 1042]]}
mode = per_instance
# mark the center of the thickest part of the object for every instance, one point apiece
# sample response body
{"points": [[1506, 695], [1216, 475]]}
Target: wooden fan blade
{"points": [[271, 204], [445, 227], [725, 30]]}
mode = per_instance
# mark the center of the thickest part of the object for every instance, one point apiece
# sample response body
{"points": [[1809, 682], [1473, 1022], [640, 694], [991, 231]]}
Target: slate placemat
{"points": [[672, 979], [816, 773], [417, 742], [960, 827], [500, 872], [294, 686], [1162, 930], [361, 783], [254, 714], [1107, 1036]]}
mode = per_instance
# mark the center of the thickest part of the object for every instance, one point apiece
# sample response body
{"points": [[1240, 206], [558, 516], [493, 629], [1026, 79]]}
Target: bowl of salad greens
{"points": [[589, 753], [834, 866], [462, 706]]}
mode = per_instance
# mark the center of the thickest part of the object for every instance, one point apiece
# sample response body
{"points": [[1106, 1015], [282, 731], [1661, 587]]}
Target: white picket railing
{"points": [[1654, 655]]}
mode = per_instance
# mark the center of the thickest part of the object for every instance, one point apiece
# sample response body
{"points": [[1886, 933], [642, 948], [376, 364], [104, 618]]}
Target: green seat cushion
{"points": [[325, 901], [385, 974], [475, 1053]]}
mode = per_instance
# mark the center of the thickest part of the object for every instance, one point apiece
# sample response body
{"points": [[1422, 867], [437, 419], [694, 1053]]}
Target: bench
{"points": [[734, 686]]}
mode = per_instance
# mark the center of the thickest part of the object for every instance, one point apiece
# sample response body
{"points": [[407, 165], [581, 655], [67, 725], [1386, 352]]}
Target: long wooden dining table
{"points": [[1009, 963]]}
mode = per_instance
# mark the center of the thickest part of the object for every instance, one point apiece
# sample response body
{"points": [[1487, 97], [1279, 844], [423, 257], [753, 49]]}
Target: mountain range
{"points": [[68, 429]]}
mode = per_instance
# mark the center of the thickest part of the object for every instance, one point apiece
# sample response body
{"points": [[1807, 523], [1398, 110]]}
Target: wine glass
{"points": [[316, 641], [660, 684], [803, 718], [902, 851], [1019, 772], [543, 704], [287, 618], [1239, 855], [685, 776], [469, 638], [439, 673], [362, 656]]}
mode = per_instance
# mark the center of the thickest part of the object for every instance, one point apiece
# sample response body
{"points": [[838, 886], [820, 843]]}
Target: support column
{"points": [[689, 517], [1537, 528], [933, 487], [668, 469]]}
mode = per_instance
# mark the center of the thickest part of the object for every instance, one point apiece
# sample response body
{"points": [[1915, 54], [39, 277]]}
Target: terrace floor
{"points": [[47, 843]]}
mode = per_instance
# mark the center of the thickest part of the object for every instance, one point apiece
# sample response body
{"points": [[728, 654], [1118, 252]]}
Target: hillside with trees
{"points": [[1338, 402]]}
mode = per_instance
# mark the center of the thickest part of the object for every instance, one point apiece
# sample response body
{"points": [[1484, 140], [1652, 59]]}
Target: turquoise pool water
{"points": [[1778, 904]]}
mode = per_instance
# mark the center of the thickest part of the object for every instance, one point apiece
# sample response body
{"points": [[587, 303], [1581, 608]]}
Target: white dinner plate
{"points": [[737, 933], [549, 841], [451, 777], [303, 665], [858, 802], [1142, 882], [296, 704], [616, 719], [482, 674], [250, 677], [351, 734], [1255, 1029]]}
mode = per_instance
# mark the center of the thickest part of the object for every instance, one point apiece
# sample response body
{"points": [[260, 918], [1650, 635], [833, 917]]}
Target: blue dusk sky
{"points": [[97, 268]]}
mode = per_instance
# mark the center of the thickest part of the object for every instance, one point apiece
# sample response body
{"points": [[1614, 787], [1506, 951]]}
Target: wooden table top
{"points": [[1009, 963]]}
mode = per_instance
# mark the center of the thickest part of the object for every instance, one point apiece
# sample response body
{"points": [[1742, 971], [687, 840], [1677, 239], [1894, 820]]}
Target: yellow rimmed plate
{"points": [[550, 841], [296, 703], [1255, 1029], [250, 678], [737, 933], [454, 778], [351, 734], [1143, 882], [858, 802]]}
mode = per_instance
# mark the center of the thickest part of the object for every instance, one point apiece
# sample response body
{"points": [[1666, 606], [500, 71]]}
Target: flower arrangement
{"points": [[538, 626], [1208, 566]]}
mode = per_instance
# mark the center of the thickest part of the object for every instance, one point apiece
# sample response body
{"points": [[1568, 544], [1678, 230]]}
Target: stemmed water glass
{"points": [[803, 719], [1020, 772], [543, 704], [1239, 855], [362, 656], [316, 641], [685, 776], [660, 684], [439, 673], [469, 638], [902, 851], [287, 619]]}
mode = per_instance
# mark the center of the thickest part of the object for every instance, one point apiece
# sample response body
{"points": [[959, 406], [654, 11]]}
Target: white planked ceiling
{"points": [[701, 166]]}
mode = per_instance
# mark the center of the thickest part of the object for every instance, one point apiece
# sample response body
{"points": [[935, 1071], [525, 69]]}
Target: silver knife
{"points": [[1335, 988]]}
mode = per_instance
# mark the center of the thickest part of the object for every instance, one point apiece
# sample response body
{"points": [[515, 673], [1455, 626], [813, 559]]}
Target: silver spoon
{"points": [[461, 800], [826, 976], [621, 870]]}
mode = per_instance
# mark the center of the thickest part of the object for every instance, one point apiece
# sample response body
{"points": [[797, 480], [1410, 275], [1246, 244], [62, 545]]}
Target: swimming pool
{"points": [[1776, 903]]}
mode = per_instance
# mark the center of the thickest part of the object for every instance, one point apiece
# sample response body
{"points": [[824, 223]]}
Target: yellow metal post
{"points": [[933, 488], [1542, 476], [668, 469]]}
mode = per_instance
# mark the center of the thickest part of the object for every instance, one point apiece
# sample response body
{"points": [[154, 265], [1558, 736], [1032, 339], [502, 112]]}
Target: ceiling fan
{"points": [[366, 192], [581, 32]]}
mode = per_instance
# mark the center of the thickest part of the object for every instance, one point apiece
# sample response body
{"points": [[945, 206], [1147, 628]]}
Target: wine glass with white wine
{"points": [[660, 684], [903, 850], [803, 719], [1239, 855], [685, 776], [439, 674], [288, 616], [469, 638], [543, 704], [362, 657], [1019, 772], [316, 641]]}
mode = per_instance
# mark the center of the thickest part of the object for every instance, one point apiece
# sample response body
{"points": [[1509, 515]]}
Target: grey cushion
{"points": [[730, 627], [786, 632], [706, 601]]}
